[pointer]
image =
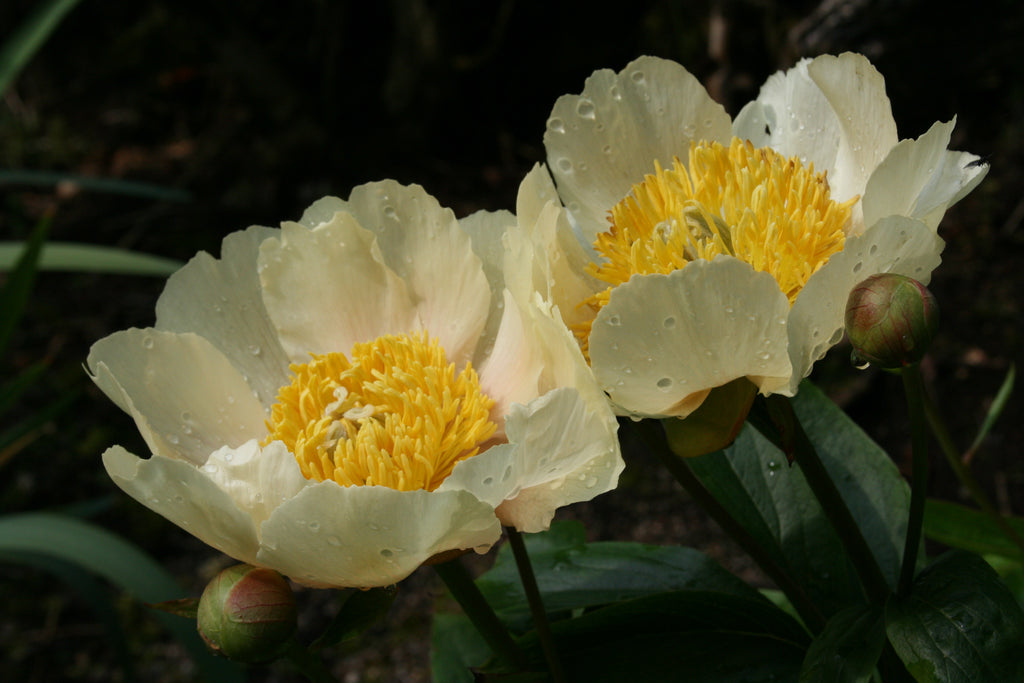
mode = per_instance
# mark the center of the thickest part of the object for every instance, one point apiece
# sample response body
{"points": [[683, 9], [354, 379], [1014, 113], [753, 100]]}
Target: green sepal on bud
{"points": [[715, 424], [248, 614], [891, 320]]}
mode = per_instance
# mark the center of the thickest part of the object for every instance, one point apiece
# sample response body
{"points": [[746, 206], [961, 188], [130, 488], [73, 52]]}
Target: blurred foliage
{"points": [[256, 109]]}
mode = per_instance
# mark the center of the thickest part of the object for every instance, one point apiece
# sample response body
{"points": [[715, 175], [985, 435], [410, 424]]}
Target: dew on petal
{"points": [[585, 109]]}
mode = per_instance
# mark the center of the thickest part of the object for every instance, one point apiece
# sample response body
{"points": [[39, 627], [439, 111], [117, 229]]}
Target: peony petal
{"points": [[896, 244], [832, 111], [366, 536], [513, 367], [186, 397], [327, 288], [560, 451], [542, 253], [487, 230], [423, 243], [186, 496], [921, 179], [566, 453], [222, 301], [257, 479], [663, 341], [602, 142]]}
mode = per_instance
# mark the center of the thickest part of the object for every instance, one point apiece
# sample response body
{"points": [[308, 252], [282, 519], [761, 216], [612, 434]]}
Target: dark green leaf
{"points": [[685, 635], [121, 563], [14, 293], [969, 529], [848, 649], [359, 611], [90, 258], [90, 590], [996, 409], [455, 648], [572, 574], [13, 389], [772, 500], [19, 47], [128, 188], [37, 419], [959, 623]]}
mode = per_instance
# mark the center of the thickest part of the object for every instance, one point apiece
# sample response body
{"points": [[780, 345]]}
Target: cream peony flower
{"points": [[351, 395], [726, 249]]}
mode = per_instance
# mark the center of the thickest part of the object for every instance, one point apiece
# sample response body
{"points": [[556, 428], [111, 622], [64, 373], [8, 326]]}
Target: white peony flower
{"points": [[727, 249], [354, 394]]}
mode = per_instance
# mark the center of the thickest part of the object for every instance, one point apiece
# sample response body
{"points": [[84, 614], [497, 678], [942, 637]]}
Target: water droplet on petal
{"points": [[585, 108], [556, 125]]}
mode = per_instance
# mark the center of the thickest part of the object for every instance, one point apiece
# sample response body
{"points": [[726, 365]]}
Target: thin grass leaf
{"points": [[994, 411], [128, 188], [14, 293], [33, 422], [12, 389], [22, 45], [123, 564], [89, 258], [93, 593]]}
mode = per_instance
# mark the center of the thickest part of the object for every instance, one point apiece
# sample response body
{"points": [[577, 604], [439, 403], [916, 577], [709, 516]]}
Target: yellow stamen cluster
{"points": [[747, 202], [394, 414]]}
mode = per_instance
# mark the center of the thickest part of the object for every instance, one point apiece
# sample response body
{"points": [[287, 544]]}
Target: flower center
{"points": [[753, 204], [394, 414]]}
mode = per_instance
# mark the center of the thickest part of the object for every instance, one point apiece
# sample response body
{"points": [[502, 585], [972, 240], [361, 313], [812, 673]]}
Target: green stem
{"points": [[963, 472], [914, 391], [309, 664], [857, 549], [654, 435], [476, 607], [536, 602]]}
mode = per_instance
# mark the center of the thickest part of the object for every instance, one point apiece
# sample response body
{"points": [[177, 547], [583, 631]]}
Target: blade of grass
{"points": [[25, 41], [994, 411], [93, 593], [14, 293], [89, 258], [123, 564], [12, 390], [129, 188]]}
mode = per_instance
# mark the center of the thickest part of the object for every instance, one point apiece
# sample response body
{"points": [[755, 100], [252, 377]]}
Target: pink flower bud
{"points": [[891, 320], [247, 614]]}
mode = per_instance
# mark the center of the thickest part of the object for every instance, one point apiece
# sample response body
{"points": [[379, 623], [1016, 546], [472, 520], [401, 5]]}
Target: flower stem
{"points": [[476, 607], [533, 597], [794, 441], [963, 472], [914, 391], [308, 664], [654, 436]]}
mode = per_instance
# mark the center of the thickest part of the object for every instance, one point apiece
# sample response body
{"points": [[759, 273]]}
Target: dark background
{"points": [[258, 108]]}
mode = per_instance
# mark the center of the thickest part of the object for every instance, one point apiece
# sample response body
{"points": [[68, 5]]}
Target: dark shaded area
{"points": [[258, 108]]}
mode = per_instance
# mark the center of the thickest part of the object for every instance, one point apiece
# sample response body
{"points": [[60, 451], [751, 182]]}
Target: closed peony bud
{"points": [[247, 614], [891, 320]]}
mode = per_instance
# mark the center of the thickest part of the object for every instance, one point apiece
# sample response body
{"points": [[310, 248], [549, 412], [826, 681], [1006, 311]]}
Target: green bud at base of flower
{"points": [[715, 424], [247, 614], [891, 320]]}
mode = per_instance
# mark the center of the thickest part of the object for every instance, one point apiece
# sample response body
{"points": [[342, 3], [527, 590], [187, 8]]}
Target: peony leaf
{"points": [[847, 650], [959, 623], [773, 502]]}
